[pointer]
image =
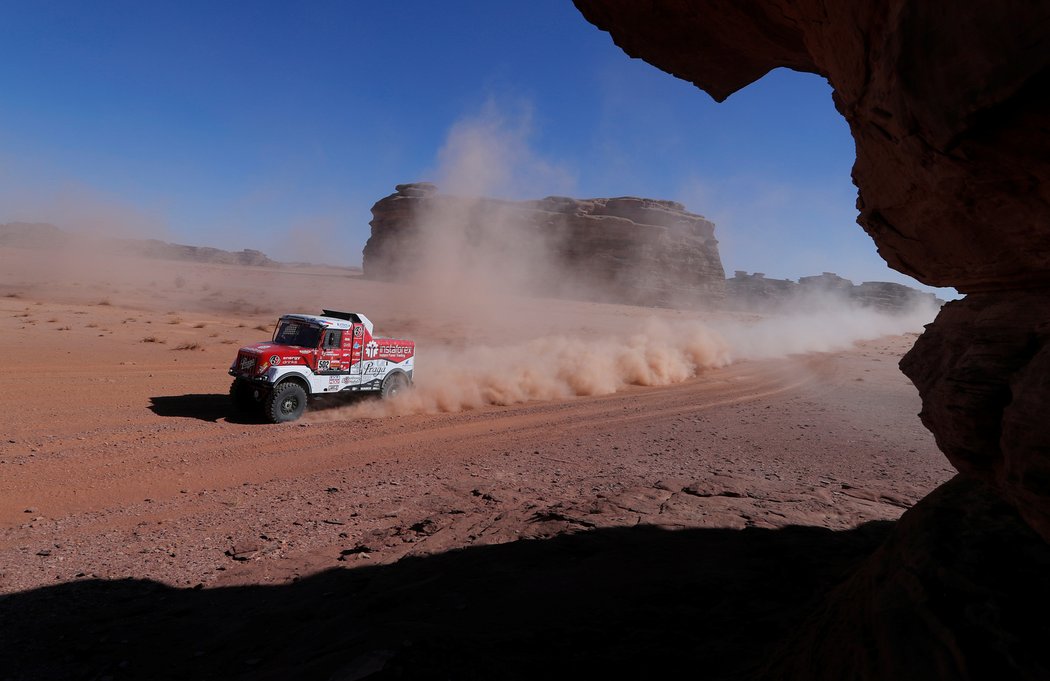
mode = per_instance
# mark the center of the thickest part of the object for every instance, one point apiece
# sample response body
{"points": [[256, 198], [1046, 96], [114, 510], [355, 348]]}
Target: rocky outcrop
{"points": [[625, 249], [949, 111], [758, 293], [49, 237], [958, 591], [152, 248]]}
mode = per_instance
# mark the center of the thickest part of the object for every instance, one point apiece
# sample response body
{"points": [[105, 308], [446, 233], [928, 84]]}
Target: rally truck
{"points": [[315, 355]]}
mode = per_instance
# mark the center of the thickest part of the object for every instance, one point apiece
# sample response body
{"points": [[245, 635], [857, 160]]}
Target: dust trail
{"points": [[553, 367], [830, 327], [660, 353]]}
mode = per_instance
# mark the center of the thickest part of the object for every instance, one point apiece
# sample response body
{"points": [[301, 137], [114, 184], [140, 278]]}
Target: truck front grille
{"points": [[245, 363]]}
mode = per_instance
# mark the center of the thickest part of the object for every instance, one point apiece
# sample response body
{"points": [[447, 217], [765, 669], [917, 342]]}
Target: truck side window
{"points": [[333, 339]]}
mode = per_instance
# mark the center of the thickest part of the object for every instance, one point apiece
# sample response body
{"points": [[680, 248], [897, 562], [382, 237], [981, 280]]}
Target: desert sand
{"points": [[145, 532]]}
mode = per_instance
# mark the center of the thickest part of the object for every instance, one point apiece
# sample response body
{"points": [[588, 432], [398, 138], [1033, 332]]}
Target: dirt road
{"points": [[120, 457], [139, 518]]}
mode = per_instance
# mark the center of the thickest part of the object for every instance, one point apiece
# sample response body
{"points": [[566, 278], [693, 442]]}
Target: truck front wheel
{"points": [[244, 396], [285, 402]]}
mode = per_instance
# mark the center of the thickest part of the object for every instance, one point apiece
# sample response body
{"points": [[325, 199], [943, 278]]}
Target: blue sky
{"points": [[276, 125]]}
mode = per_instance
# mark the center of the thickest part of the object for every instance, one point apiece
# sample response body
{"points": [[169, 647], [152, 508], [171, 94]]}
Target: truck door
{"points": [[331, 355]]}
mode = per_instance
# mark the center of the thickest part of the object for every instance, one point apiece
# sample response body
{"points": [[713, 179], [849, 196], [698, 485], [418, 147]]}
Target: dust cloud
{"points": [[555, 367], [480, 269], [476, 258], [660, 352]]}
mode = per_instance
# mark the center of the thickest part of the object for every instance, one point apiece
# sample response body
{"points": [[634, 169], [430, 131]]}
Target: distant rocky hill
{"points": [[44, 236], [625, 249], [756, 292]]}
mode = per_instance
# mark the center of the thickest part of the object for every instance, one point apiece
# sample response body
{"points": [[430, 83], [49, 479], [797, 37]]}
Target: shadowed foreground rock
{"points": [[962, 574], [634, 602], [626, 249], [949, 109]]}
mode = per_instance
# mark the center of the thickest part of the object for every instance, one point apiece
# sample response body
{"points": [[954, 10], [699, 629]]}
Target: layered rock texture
{"points": [[949, 107], [757, 292], [625, 249]]}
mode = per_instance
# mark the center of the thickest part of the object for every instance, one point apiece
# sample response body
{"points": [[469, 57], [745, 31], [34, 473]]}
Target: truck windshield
{"points": [[291, 332]]}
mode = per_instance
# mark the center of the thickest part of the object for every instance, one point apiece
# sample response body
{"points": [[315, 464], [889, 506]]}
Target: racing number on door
{"points": [[331, 350]]}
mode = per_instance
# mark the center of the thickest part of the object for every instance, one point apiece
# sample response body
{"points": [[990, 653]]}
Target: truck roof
{"points": [[332, 322]]}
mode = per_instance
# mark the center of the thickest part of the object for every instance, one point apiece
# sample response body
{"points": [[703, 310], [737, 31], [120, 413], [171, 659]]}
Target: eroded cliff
{"points": [[625, 249]]}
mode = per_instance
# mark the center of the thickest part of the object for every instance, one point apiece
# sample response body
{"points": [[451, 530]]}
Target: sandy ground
{"points": [[120, 458]]}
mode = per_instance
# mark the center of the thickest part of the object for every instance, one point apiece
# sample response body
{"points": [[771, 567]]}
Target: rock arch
{"points": [[949, 106]]}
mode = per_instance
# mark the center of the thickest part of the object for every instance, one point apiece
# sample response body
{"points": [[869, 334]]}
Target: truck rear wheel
{"points": [[393, 386], [285, 402]]}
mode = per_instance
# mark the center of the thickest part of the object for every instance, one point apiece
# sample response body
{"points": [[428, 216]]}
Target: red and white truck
{"points": [[313, 355]]}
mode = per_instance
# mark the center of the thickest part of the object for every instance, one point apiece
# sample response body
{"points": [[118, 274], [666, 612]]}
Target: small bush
{"points": [[152, 339], [187, 346]]}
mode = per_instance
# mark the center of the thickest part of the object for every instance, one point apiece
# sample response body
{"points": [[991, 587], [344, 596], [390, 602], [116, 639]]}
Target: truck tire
{"points": [[285, 402], [242, 395], [394, 385]]}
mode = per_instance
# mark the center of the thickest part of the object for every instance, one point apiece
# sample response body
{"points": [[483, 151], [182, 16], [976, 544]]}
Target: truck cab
{"points": [[312, 355]]}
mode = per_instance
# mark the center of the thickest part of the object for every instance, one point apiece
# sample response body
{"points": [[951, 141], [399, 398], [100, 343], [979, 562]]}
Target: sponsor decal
{"points": [[290, 360], [333, 380], [396, 350], [357, 332], [275, 360], [356, 345], [264, 347], [372, 349], [247, 363], [346, 380], [373, 370], [324, 365]]}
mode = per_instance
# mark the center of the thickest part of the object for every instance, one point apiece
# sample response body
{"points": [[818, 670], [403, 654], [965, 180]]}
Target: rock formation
{"points": [[949, 108], [625, 249], [44, 236], [759, 293]]}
